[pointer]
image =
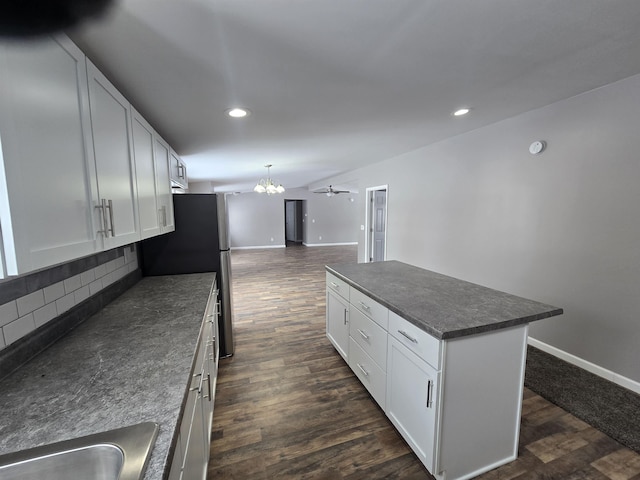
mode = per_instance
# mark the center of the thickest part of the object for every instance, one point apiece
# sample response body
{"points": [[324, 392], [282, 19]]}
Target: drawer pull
{"points": [[335, 285], [364, 335], [365, 306], [407, 336], [366, 374]]}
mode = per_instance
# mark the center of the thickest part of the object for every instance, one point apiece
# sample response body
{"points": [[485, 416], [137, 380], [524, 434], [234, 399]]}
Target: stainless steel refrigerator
{"points": [[200, 243]]}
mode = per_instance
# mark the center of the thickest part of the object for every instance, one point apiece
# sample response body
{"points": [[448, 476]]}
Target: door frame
{"points": [[368, 236]]}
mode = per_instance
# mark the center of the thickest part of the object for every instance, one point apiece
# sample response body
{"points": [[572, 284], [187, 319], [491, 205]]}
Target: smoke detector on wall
{"points": [[537, 147]]}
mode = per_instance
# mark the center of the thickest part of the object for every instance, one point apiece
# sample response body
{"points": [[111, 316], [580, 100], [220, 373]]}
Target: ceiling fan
{"points": [[330, 191]]}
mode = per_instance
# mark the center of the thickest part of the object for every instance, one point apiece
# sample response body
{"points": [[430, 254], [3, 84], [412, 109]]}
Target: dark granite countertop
{"points": [[442, 306], [127, 364]]}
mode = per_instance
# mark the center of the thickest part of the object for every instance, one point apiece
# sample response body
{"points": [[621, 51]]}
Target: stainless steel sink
{"points": [[120, 454]]}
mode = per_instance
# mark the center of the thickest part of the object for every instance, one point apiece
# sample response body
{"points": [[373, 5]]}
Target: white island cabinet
{"points": [[444, 358], [338, 315]]}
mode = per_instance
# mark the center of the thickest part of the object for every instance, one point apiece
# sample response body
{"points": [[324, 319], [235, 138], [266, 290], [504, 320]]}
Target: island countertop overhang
{"points": [[443, 306]]}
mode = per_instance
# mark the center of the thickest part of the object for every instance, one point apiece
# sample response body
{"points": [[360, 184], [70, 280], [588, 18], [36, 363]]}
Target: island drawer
{"points": [[415, 339], [337, 285], [372, 309], [370, 336], [368, 372]]}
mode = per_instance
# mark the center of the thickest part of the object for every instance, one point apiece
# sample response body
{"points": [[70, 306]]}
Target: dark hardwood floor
{"points": [[288, 407]]}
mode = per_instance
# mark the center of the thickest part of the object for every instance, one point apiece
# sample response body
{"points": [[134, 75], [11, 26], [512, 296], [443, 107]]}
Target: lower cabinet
{"points": [[191, 456], [411, 400], [456, 402], [338, 323]]}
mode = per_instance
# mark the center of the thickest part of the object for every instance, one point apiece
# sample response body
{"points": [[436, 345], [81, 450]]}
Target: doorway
{"points": [[293, 224], [376, 224]]}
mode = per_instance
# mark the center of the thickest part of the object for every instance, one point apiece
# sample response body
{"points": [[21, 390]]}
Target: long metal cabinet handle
{"points": [[113, 227], [365, 306], [366, 374], [345, 316], [103, 217], [429, 394], [208, 380], [364, 335], [407, 336]]}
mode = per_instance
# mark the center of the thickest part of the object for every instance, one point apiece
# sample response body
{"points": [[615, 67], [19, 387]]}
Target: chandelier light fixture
{"points": [[268, 186]]}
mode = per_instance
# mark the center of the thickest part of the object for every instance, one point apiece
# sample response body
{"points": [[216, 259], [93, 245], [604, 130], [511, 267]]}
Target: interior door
{"points": [[377, 222], [290, 220]]}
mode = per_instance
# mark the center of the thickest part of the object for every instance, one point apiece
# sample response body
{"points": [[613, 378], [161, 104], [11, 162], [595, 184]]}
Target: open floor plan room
{"points": [[289, 407]]}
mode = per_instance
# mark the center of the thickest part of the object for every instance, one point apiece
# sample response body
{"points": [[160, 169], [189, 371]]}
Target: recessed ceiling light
{"points": [[462, 111], [238, 112]]}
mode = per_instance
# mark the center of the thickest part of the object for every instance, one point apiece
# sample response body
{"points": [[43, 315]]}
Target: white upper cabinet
{"points": [[117, 191], [163, 183], [178, 171], [148, 208], [68, 182], [47, 173], [151, 154]]}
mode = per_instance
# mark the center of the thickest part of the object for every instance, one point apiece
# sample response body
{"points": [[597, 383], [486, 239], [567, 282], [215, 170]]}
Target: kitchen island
{"points": [[129, 363], [444, 359]]}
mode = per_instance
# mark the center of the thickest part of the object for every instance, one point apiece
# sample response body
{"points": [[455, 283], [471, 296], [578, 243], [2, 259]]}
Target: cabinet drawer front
{"points": [[415, 339], [372, 309], [370, 374], [371, 337], [339, 286]]}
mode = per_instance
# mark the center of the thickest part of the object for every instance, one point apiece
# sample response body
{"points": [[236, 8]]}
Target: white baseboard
{"points": [[328, 244], [257, 247], [586, 365]]}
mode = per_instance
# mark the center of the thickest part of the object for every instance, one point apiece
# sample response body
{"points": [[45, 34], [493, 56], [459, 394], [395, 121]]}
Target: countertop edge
{"points": [[440, 335]]}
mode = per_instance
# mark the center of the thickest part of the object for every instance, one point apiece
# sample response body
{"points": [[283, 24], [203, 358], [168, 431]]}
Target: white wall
{"points": [[257, 220], [562, 227]]}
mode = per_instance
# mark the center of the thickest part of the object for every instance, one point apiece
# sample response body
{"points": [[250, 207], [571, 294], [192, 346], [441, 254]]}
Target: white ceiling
{"points": [[336, 84]]}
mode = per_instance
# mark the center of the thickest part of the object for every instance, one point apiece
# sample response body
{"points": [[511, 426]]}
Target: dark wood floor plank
{"points": [[288, 407]]}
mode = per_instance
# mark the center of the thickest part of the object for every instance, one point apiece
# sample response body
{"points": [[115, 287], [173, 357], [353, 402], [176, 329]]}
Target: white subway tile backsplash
{"points": [[95, 286], [44, 314], [87, 277], [8, 312], [121, 272], [81, 294], [108, 279], [29, 303], [53, 292], [100, 270], [111, 266], [21, 316], [71, 284], [119, 262], [65, 303], [18, 328]]}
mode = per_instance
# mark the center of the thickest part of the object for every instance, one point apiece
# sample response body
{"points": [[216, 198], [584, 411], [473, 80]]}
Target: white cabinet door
{"points": [[163, 184], [47, 173], [195, 457], [178, 171], [338, 323], [149, 211], [412, 392], [111, 129]]}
